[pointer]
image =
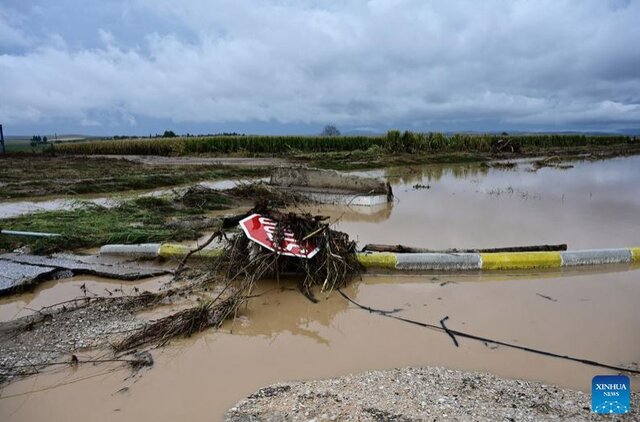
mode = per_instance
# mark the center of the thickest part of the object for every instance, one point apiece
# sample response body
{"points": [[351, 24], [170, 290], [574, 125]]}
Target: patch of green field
{"points": [[13, 146], [137, 221]]}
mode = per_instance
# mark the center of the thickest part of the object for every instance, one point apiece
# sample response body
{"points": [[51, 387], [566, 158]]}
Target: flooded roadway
{"points": [[588, 313]]}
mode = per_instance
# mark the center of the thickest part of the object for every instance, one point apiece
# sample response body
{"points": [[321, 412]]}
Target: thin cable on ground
{"points": [[453, 333]]}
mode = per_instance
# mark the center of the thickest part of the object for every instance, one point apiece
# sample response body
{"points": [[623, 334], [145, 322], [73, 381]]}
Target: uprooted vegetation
{"points": [[244, 263], [554, 162], [261, 192], [212, 294], [208, 314]]}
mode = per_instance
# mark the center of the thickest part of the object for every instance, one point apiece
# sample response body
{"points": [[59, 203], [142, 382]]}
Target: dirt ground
{"points": [[199, 161], [42, 175]]}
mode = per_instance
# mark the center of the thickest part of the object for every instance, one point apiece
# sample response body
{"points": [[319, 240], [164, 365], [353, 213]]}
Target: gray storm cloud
{"points": [[568, 64]]}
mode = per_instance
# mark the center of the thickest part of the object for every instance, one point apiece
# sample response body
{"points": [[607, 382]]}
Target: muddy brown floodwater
{"points": [[56, 291], [590, 313]]}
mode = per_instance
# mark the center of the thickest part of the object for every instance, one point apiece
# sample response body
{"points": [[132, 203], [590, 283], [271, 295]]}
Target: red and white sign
{"points": [[261, 230]]}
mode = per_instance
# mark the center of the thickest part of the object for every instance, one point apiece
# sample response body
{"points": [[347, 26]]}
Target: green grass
{"points": [[137, 221], [13, 146]]}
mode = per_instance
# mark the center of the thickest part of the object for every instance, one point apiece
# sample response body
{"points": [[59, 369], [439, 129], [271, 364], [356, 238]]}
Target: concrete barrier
{"points": [[383, 260], [596, 257], [423, 261], [331, 187], [156, 250], [325, 179], [438, 261], [520, 260], [169, 250], [142, 251]]}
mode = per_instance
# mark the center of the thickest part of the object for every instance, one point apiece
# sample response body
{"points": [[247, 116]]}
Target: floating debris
{"points": [[244, 262], [183, 324], [554, 162]]}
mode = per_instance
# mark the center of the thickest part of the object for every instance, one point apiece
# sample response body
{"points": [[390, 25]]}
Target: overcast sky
{"points": [[284, 66]]}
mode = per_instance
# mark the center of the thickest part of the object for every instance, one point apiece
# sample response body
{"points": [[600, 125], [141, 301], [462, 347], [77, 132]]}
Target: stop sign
{"points": [[261, 230]]}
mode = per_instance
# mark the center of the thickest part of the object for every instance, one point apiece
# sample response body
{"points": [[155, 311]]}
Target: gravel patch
{"points": [[29, 342], [418, 394]]}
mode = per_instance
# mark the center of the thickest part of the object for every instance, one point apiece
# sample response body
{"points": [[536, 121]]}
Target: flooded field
{"points": [[589, 313], [592, 205]]}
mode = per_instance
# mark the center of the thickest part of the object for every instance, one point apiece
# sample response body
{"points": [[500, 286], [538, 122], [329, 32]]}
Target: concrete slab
{"points": [[77, 265], [595, 257], [14, 276]]}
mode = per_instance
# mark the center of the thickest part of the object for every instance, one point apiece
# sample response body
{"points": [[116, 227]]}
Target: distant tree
{"points": [[169, 134], [330, 130], [44, 139]]}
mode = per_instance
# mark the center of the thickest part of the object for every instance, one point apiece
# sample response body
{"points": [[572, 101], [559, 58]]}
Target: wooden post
{"points": [[372, 247], [4, 151]]}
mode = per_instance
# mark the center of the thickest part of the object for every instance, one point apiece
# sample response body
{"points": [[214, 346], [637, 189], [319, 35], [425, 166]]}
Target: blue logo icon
{"points": [[610, 394]]}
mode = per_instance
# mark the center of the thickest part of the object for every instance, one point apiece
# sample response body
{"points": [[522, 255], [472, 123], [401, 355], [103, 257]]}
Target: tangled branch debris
{"points": [[332, 267], [264, 193], [554, 162], [244, 263], [183, 324]]}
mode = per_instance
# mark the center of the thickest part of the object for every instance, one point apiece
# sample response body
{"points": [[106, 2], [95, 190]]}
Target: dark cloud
{"points": [[119, 66]]}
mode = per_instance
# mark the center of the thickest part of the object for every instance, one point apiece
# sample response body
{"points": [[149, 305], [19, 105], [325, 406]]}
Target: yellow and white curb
{"points": [[170, 250], [420, 261], [497, 261], [158, 250]]}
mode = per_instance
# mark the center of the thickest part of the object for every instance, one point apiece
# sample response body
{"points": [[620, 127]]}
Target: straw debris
{"points": [[183, 323], [244, 263]]}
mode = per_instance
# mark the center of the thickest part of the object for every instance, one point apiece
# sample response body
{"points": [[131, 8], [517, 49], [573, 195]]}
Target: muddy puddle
{"points": [[589, 313], [56, 291]]}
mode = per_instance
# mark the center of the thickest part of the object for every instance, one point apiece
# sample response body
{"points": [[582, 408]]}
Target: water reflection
{"points": [[281, 308], [592, 205], [434, 173]]}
